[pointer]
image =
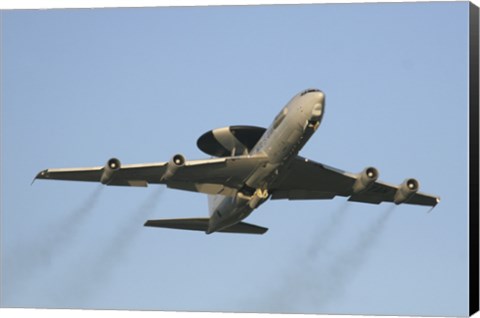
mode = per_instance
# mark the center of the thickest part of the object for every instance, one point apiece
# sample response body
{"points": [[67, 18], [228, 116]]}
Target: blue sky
{"points": [[82, 86]]}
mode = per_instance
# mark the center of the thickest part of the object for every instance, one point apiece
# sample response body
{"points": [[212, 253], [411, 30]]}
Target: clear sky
{"points": [[82, 86]]}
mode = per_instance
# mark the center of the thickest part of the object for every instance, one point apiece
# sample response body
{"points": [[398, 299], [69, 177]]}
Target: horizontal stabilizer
{"points": [[201, 224]]}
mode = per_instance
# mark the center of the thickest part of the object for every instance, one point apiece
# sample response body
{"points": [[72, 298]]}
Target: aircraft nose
{"points": [[320, 96], [317, 110]]}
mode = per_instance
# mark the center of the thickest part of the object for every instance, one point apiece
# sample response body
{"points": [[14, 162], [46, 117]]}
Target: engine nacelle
{"points": [[112, 166], [365, 180], [173, 165], [406, 190]]}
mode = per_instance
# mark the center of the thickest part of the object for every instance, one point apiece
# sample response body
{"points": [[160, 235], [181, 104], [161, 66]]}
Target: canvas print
{"points": [[271, 159]]}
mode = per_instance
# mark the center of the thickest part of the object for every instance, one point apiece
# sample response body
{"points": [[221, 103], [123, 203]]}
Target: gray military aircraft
{"points": [[252, 164]]}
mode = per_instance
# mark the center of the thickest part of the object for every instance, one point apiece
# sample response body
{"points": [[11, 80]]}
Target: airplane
{"points": [[250, 165]]}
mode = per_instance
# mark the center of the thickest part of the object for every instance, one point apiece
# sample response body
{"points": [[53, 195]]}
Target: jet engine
{"points": [[173, 165], [111, 167], [365, 179], [406, 190]]}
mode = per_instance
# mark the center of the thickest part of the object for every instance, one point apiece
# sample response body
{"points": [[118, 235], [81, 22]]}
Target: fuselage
{"points": [[281, 142]]}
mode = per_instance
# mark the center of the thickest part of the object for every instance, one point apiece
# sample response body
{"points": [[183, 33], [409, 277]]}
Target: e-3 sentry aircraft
{"points": [[252, 164]]}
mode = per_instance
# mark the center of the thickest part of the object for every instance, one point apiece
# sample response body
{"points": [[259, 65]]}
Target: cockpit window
{"points": [[309, 91], [278, 120]]}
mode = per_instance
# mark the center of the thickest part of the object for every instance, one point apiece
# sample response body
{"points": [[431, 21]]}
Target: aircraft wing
{"points": [[211, 176], [306, 179]]}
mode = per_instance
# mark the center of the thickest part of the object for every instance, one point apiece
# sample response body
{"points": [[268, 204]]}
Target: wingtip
{"points": [[437, 201], [41, 175]]}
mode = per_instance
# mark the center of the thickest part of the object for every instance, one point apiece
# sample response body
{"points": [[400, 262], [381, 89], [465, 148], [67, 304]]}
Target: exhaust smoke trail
{"points": [[312, 282], [124, 236], [328, 231], [343, 268], [300, 273], [24, 261], [96, 274]]}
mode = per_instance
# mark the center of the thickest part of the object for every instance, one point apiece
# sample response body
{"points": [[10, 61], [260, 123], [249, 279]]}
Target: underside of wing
{"points": [[113, 173], [201, 224], [92, 174], [383, 192], [212, 176], [306, 179]]}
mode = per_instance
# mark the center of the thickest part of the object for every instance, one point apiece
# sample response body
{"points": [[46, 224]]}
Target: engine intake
{"points": [[111, 167], [406, 190], [173, 165], [365, 180]]}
